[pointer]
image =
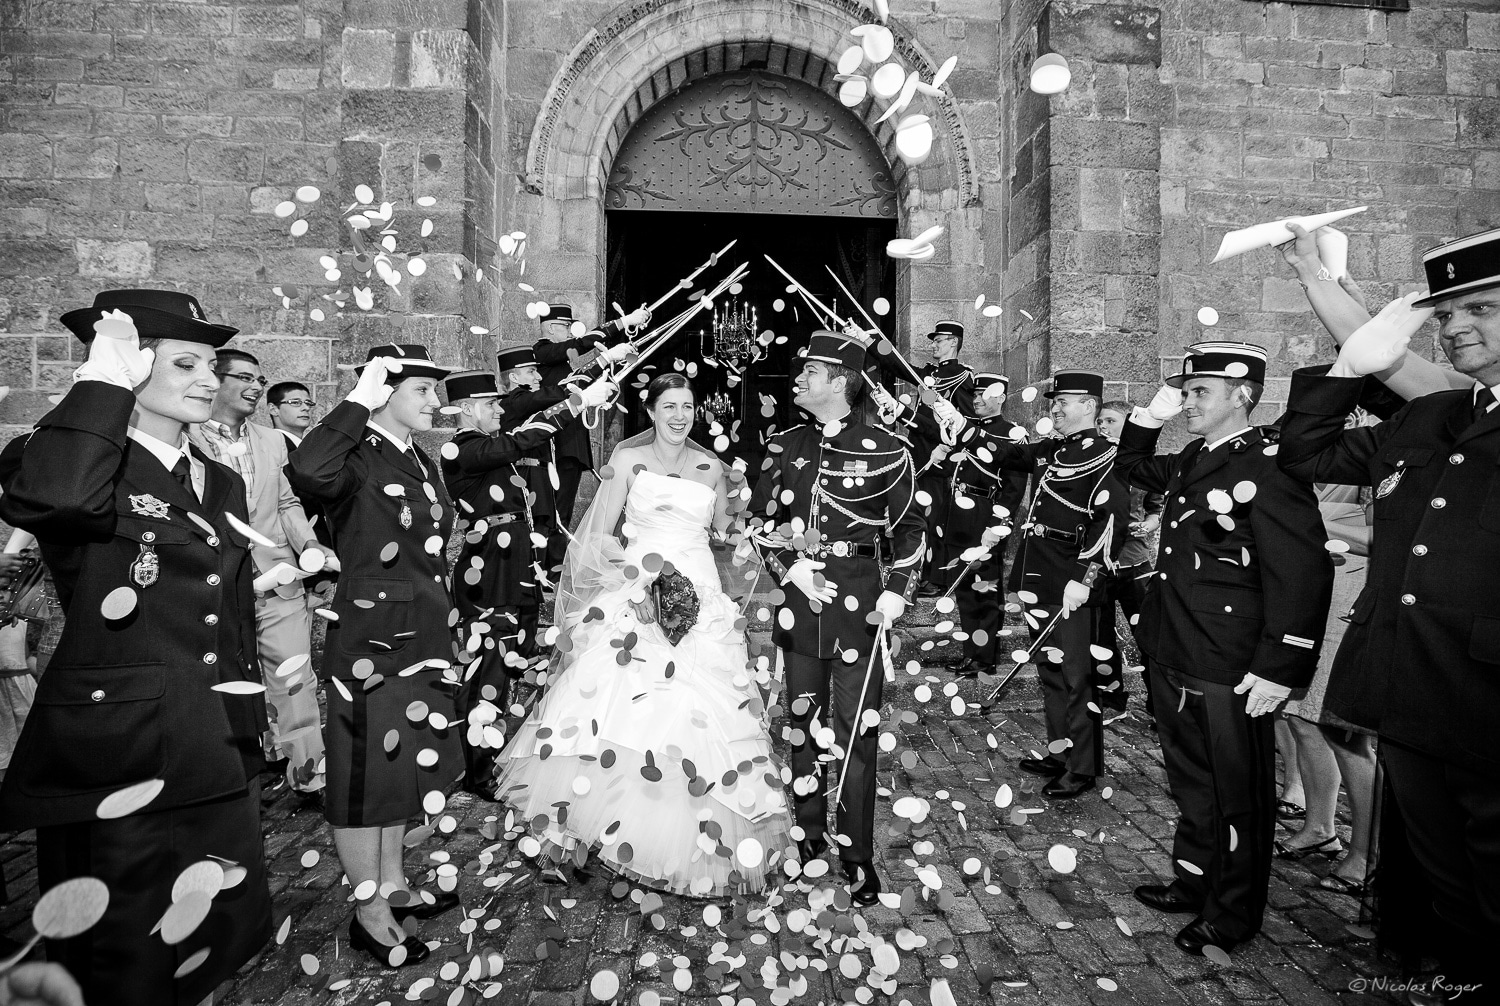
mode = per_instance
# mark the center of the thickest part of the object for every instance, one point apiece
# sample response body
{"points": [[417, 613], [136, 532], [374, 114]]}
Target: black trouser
{"points": [[1221, 766], [569, 474], [511, 628], [1127, 587], [1068, 690], [982, 615], [937, 487], [833, 692], [1452, 816]]}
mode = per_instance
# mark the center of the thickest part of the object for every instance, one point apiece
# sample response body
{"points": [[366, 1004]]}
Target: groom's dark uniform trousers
{"points": [[494, 578], [852, 492], [1242, 585]]}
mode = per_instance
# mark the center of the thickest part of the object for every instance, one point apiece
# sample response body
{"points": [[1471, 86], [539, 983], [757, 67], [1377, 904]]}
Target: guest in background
{"points": [[291, 405]]}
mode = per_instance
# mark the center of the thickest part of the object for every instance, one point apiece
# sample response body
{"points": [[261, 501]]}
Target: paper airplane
{"points": [[1265, 235]]}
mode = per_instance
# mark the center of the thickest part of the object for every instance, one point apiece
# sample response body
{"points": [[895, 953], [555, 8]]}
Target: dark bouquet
{"points": [[676, 604]]}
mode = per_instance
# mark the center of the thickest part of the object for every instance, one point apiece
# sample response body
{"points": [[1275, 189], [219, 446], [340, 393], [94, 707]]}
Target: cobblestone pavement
{"points": [[1004, 925]]}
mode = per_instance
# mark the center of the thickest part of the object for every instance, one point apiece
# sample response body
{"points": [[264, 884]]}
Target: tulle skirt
{"points": [[656, 756]]}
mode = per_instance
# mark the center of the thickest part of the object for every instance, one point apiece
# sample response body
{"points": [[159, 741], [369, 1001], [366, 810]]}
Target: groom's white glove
{"points": [[890, 606], [802, 574]]}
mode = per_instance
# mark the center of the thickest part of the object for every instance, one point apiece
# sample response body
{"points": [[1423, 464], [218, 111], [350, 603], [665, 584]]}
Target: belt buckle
{"points": [[841, 548]]}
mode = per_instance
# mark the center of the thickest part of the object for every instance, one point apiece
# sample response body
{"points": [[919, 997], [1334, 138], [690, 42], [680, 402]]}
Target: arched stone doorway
{"points": [[773, 164]]}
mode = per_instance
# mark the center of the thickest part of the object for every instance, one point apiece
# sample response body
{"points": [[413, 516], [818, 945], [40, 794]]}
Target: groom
{"points": [[834, 502]]}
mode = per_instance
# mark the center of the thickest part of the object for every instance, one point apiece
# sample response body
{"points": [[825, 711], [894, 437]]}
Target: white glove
{"points": [[1166, 404], [1075, 595], [616, 353], [596, 394], [992, 536], [1381, 342], [371, 390], [802, 573], [951, 420], [884, 401], [1265, 695], [890, 606], [115, 355], [637, 319]]}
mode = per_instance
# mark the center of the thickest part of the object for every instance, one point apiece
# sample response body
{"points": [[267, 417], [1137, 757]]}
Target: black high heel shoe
{"points": [[443, 901], [412, 950]]}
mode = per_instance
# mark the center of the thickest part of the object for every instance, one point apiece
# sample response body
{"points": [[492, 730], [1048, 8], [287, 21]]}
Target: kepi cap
{"points": [[985, 381], [558, 312], [519, 356], [1077, 382], [471, 384], [1241, 360], [1467, 265], [157, 314], [415, 361], [836, 348], [952, 328]]}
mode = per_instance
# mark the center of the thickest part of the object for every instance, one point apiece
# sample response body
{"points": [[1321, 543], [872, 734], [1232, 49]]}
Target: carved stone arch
{"points": [[648, 49]]}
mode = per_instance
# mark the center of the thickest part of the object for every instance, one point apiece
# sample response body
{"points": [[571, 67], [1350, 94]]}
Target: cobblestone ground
{"points": [[1003, 925]]}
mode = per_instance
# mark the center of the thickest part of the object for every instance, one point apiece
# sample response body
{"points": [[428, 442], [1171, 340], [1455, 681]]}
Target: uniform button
{"points": [[1182, 499], [97, 695], [1168, 549], [213, 579], [1162, 575], [210, 658], [825, 482], [210, 619], [382, 595], [148, 536], [1408, 598], [213, 540], [1174, 524], [1419, 550], [1455, 459], [1228, 608], [1439, 503]]}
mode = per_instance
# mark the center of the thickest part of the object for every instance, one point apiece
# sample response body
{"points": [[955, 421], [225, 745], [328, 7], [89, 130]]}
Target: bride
{"points": [[650, 745]]}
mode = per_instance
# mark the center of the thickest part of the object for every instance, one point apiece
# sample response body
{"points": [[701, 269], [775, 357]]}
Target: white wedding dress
{"points": [[712, 812]]}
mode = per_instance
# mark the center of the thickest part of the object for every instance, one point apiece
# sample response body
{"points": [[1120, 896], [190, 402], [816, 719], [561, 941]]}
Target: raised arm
{"points": [[1137, 462], [320, 469], [1314, 446], [477, 455]]}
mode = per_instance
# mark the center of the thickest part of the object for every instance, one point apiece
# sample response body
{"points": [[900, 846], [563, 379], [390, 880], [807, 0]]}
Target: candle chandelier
{"points": [[733, 333]]}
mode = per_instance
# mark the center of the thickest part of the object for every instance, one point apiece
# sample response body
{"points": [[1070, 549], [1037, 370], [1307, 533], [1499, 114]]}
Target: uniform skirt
{"points": [[378, 773], [120, 960]]}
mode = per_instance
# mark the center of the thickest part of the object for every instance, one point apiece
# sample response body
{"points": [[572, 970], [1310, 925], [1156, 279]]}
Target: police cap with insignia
{"points": [[471, 384], [510, 359], [414, 359], [952, 328], [1077, 382], [983, 382], [836, 348], [1467, 265], [558, 312], [1243, 360], [157, 314]]}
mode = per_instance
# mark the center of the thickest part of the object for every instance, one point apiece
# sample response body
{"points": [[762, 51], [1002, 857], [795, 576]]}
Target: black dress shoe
{"points": [[811, 848], [1068, 785], [1161, 898], [414, 950], [864, 882], [1049, 767], [417, 908], [1200, 933], [973, 668]]}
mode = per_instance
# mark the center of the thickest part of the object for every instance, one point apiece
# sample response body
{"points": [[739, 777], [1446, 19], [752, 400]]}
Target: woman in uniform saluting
{"points": [[390, 741], [139, 762]]}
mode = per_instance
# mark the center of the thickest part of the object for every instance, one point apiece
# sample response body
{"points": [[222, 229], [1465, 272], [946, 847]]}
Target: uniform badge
{"points": [[146, 568], [860, 467], [799, 463], [1388, 484], [149, 506], [405, 517], [373, 440]]}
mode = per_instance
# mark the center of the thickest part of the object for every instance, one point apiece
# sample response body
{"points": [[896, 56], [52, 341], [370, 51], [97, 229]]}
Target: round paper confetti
{"points": [[117, 604], [123, 802], [1208, 316], [605, 985], [1062, 858], [70, 908], [184, 917]]}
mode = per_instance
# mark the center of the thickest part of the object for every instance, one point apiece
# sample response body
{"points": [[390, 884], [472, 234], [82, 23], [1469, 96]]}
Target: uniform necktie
{"points": [[183, 473], [1483, 402]]}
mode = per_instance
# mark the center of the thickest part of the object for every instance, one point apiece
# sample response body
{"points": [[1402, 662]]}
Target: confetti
{"points": [[70, 908]]}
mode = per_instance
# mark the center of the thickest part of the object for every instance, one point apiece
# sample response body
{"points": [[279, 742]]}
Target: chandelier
{"points": [[734, 330]]}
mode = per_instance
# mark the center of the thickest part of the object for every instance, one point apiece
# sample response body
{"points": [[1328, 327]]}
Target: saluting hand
{"points": [[1265, 695], [371, 390], [1166, 404], [1380, 343], [115, 355]]}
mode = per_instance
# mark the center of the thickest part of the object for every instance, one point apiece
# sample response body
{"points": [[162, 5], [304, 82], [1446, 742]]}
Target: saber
{"points": [[879, 335], [859, 711], [687, 281], [671, 328], [1035, 645], [807, 295]]}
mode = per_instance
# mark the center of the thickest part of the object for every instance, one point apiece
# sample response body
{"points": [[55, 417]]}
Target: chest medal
{"points": [[146, 568], [1388, 484], [405, 517]]}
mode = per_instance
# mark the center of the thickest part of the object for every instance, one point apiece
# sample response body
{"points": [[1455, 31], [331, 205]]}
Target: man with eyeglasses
{"points": [[294, 743], [290, 405]]}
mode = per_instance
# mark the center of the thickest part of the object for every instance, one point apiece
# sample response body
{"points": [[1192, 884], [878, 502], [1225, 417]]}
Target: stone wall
{"points": [[1189, 118]]}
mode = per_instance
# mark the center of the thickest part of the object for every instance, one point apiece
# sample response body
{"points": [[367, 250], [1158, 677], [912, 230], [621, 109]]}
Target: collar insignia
{"points": [[373, 440], [798, 464], [149, 506]]}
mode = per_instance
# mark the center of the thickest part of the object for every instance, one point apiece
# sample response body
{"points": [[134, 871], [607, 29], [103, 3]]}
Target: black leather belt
{"points": [[988, 493], [1053, 534], [503, 518], [842, 550]]}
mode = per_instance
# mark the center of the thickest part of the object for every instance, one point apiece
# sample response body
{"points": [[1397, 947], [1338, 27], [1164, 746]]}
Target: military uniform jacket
{"points": [[131, 700], [1077, 514], [1424, 640], [539, 464], [575, 358], [392, 519], [953, 381], [1242, 582], [978, 477], [852, 492], [494, 499]]}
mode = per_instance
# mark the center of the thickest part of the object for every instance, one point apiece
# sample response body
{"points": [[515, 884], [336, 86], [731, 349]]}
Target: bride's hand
{"points": [[645, 610]]}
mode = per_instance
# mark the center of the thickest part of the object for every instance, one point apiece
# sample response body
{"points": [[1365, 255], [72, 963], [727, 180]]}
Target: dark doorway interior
{"points": [[649, 251]]}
